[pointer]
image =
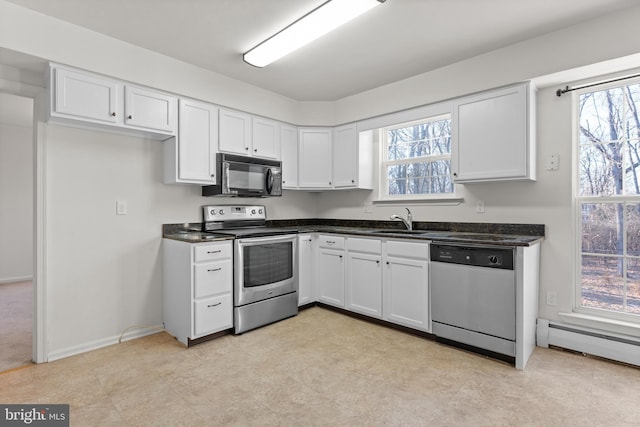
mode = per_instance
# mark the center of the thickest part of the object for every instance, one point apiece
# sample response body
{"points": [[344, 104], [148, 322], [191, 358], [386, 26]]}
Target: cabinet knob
{"points": [[113, 114], [353, 181], [377, 262], [329, 182], [129, 117], [246, 148], [455, 174], [255, 150], [387, 262]]}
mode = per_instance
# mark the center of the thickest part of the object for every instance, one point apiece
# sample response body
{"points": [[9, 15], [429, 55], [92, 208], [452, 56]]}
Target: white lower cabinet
{"points": [[306, 276], [330, 266], [406, 284], [197, 288], [364, 276]]}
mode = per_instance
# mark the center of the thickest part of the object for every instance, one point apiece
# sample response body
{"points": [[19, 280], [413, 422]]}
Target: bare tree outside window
{"points": [[609, 199], [417, 158]]}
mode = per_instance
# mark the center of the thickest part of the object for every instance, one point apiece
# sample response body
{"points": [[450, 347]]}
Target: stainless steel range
{"points": [[265, 279]]}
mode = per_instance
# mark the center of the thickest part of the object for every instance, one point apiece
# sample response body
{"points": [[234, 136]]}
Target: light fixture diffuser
{"points": [[318, 22]]}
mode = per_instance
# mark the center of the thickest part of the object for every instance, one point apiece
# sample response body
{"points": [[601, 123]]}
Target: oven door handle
{"points": [[268, 239]]}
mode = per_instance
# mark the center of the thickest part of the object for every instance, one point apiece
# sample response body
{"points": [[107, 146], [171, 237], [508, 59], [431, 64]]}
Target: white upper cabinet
{"points": [[235, 132], [82, 98], [314, 166], [352, 157], [345, 156], [85, 96], [191, 157], [265, 138], [289, 156], [149, 109], [241, 133], [494, 135]]}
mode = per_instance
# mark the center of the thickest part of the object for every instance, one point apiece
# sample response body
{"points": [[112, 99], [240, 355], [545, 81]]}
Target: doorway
{"points": [[17, 230]]}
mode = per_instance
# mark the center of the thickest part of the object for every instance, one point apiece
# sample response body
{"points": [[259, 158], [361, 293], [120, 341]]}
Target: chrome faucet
{"points": [[407, 222]]}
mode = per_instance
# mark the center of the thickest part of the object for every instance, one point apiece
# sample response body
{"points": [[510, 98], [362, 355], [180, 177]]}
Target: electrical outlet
{"points": [[553, 162], [368, 207], [552, 298], [480, 206], [121, 207]]}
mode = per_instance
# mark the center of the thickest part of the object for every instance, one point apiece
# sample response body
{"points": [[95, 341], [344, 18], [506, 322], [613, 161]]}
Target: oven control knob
{"points": [[212, 211], [221, 212], [253, 211], [260, 211], [493, 259]]}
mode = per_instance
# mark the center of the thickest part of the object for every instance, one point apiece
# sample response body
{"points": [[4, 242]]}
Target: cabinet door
{"points": [[234, 132], [364, 284], [491, 136], [330, 277], [406, 292], [314, 167], [197, 142], [289, 155], [149, 109], [265, 138], [345, 156], [86, 96], [212, 315], [306, 284]]}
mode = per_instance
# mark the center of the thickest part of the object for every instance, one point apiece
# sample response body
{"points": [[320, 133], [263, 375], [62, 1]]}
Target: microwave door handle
{"points": [[269, 181], [225, 178]]}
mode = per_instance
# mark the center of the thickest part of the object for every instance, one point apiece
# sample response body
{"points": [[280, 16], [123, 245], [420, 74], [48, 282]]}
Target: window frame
{"points": [[383, 184], [580, 200]]}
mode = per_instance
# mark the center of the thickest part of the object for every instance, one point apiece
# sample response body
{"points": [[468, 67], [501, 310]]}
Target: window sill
{"points": [[451, 200], [602, 323]]}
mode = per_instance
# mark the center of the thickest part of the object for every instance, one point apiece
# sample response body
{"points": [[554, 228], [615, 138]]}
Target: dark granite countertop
{"points": [[443, 232]]}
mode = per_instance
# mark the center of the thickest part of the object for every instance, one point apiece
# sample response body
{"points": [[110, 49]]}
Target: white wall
{"points": [[16, 188], [103, 270]]}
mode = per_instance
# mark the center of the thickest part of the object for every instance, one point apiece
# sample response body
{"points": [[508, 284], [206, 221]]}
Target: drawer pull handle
{"points": [[214, 252], [215, 269], [331, 242], [214, 305]]}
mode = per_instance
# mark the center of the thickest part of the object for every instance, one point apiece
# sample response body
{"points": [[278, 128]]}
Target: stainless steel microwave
{"points": [[242, 176]]}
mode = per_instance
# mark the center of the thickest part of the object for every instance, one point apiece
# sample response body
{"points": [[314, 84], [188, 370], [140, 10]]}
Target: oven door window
{"points": [[267, 263]]}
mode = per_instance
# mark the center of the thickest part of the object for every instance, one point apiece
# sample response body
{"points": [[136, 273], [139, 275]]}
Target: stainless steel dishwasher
{"points": [[473, 296]]}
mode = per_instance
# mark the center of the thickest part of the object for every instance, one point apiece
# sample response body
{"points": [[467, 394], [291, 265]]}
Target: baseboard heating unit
{"points": [[601, 344]]}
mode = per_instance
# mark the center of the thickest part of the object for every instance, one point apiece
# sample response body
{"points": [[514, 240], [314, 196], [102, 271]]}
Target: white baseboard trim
{"points": [[597, 343], [15, 279], [104, 342]]}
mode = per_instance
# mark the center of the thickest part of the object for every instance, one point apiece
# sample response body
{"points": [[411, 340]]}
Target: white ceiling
{"points": [[397, 40]]}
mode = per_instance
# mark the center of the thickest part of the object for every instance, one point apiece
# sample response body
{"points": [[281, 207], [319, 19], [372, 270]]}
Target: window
{"points": [[608, 201], [416, 159]]}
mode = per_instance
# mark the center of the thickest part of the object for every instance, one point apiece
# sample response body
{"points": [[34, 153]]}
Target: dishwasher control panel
{"points": [[490, 257]]}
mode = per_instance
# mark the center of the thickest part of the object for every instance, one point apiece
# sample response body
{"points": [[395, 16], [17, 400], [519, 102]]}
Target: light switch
{"points": [[121, 207]]}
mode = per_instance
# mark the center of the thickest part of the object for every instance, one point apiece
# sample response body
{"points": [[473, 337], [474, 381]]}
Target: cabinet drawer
{"points": [[334, 242], [212, 315], [408, 249], [212, 278], [364, 245], [212, 252]]}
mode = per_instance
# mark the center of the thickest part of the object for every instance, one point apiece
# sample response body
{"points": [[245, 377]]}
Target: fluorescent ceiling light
{"points": [[318, 22]]}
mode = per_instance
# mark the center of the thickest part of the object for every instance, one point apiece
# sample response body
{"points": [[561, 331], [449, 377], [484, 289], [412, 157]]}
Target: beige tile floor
{"points": [[15, 324], [324, 368]]}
